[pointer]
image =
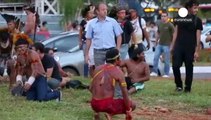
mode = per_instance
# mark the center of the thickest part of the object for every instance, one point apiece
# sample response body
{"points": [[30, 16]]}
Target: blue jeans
{"points": [[53, 83], [124, 51], [39, 91], [166, 52], [86, 66]]}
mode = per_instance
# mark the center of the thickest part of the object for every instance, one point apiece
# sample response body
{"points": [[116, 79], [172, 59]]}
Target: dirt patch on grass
{"points": [[4, 79], [161, 113]]}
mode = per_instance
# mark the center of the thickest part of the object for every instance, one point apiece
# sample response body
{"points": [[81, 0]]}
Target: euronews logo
{"points": [[182, 12]]}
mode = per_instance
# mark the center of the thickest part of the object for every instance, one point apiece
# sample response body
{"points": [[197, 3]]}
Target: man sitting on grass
{"points": [[137, 69], [50, 66], [103, 89]]}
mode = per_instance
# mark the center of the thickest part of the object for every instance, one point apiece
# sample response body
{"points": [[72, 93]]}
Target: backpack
{"points": [[76, 84], [143, 35]]}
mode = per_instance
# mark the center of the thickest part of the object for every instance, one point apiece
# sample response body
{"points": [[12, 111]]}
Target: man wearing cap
{"points": [[29, 64], [137, 69], [128, 31], [102, 31], [139, 26], [105, 78]]}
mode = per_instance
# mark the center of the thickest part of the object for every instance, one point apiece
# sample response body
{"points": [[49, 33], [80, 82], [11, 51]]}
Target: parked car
{"points": [[71, 57], [68, 53], [206, 31]]}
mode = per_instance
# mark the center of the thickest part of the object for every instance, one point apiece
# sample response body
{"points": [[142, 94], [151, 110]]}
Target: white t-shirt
{"points": [[137, 28], [152, 33]]}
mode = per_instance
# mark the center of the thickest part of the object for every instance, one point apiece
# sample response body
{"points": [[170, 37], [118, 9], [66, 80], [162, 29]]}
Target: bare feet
{"points": [[108, 116], [96, 116]]}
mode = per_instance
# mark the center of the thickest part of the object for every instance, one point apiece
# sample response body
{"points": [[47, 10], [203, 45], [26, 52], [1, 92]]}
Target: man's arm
{"points": [[146, 76], [61, 71], [49, 72], [49, 65], [36, 68], [144, 27], [157, 38], [123, 63], [208, 38], [118, 33], [89, 36], [88, 44], [119, 42], [30, 23], [19, 69], [130, 29], [123, 86], [198, 39], [147, 37], [174, 38], [80, 36]]}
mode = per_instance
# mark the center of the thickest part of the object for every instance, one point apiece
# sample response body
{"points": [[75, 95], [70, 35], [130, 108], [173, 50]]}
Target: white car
{"points": [[71, 57], [206, 31], [68, 53]]}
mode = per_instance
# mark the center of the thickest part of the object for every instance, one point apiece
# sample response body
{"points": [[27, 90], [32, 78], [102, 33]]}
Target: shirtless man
{"points": [[7, 47], [29, 64], [137, 69], [32, 20], [103, 89]]}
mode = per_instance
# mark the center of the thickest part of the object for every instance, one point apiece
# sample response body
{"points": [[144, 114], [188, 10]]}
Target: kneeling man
{"points": [[103, 85], [29, 64]]}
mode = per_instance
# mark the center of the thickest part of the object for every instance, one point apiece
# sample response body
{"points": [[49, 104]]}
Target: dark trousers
{"points": [[183, 54], [39, 91], [128, 82]]}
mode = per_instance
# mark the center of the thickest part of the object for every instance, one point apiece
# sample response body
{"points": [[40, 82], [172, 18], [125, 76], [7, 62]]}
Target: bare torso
{"points": [[30, 24], [102, 85], [136, 70], [30, 64]]}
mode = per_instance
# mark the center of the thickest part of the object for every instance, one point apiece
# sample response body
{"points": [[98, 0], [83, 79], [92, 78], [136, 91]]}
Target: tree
{"points": [[69, 8]]}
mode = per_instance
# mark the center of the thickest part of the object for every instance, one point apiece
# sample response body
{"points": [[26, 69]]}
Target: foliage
{"points": [[69, 8], [74, 105], [205, 56]]}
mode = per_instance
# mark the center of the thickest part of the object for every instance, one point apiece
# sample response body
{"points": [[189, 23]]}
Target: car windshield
{"points": [[64, 43]]}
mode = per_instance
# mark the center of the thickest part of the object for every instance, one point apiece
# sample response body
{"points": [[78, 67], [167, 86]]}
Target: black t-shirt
{"points": [[127, 31], [83, 25], [50, 62], [186, 35]]}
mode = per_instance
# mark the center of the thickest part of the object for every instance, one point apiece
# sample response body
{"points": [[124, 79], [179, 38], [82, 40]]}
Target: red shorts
{"points": [[109, 105]]}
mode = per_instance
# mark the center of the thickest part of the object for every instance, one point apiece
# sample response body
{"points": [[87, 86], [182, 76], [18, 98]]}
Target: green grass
{"points": [[74, 105]]}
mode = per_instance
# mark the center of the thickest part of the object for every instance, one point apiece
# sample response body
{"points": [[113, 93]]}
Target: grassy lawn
{"points": [[74, 106]]}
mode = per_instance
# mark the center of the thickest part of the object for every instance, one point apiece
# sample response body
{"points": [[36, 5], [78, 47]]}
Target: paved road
{"points": [[199, 72]]}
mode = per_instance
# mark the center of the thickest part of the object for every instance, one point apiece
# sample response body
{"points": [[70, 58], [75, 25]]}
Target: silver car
{"points": [[71, 57], [68, 53], [206, 31]]}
